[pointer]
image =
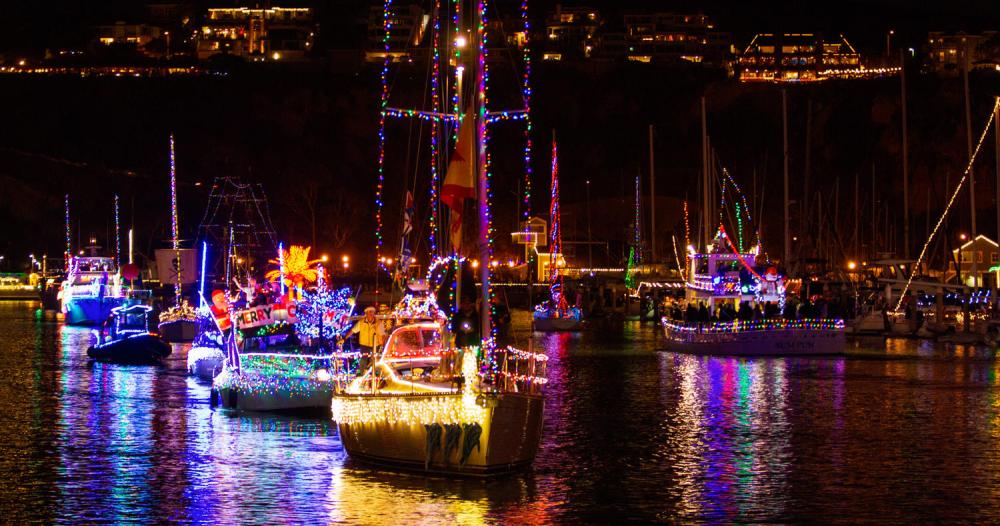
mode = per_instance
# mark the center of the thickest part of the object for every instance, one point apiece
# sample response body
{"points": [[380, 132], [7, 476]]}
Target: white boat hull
{"points": [[205, 362], [765, 342]]}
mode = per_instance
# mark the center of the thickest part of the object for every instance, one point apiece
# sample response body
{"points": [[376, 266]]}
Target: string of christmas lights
{"points": [[637, 223], [526, 95], [69, 246], [118, 236], [435, 127], [383, 105], [951, 201], [742, 326], [174, 229]]}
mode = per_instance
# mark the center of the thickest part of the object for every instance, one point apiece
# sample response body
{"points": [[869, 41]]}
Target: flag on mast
{"points": [[408, 212], [459, 182]]}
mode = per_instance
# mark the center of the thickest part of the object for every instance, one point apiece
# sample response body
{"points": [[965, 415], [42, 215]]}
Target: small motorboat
{"points": [[125, 338]]}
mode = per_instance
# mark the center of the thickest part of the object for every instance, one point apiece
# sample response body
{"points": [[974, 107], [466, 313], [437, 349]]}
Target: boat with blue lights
{"points": [[125, 338], [735, 307], [92, 288]]}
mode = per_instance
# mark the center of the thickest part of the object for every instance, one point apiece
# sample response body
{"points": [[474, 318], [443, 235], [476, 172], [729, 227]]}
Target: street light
{"points": [[324, 258], [888, 37], [851, 265]]}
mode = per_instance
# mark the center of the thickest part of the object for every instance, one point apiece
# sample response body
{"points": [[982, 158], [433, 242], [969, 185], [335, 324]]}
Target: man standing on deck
{"points": [[370, 335]]}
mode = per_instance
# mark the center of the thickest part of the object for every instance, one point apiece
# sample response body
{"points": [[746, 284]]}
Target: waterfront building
{"points": [[257, 34], [129, 35], [571, 32], [675, 37], [803, 57], [986, 254], [948, 52]]}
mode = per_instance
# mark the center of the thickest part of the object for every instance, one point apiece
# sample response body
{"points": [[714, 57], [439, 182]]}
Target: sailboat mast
{"points": [[786, 257], [482, 183], [173, 223], [706, 218], [69, 243], [652, 200], [906, 161]]}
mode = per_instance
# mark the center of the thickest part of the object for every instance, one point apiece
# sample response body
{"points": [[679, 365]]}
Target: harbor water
{"points": [[898, 431]]}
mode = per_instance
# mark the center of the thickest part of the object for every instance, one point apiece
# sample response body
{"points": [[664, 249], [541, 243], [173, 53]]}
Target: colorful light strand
{"points": [[383, 104], [743, 326], [435, 128], [637, 224], [526, 94], [118, 236], [69, 246]]}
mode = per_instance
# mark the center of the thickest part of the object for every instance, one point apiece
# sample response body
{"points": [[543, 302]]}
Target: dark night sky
{"points": [[322, 124], [30, 25]]}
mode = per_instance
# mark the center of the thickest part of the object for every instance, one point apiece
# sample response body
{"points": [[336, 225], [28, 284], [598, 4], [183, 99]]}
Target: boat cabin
{"points": [[415, 359], [126, 321]]}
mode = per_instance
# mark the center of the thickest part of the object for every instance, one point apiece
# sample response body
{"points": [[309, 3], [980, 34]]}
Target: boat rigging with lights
{"points": [[441, 397]]}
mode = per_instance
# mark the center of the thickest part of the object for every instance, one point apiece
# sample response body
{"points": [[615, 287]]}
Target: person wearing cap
{"points": [[370, 335]]}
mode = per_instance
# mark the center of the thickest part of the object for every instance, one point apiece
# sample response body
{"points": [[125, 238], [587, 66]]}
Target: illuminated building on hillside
{"points": [[571, 32], [803, 57], [120, 33], [257, 34], [407, 26], [947, 53], [676, 37]]}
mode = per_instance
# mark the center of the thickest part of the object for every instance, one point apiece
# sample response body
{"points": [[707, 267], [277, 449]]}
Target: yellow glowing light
{"points": [[276, 55], [475, 263], [324, 258], [298, 268], [460, 42], [963, 237], [388, 261], [851, 265], [344, 258]]}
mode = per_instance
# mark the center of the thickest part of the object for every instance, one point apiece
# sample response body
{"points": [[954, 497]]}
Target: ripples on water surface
{"points": [[898, 432]]}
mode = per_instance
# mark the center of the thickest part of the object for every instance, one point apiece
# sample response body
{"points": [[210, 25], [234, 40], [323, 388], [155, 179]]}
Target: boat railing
{"points": [[520, 371], [747, 326]]}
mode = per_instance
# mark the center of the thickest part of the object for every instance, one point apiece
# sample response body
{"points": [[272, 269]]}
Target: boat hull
{"points": [[558, 324], [279, 399], [205, 362], [90, 311], [140, 349], [179, 330], [508, 439], [772, 342]]}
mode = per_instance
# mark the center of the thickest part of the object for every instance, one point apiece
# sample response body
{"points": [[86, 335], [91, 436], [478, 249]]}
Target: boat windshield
{"points": [[414, 341]]}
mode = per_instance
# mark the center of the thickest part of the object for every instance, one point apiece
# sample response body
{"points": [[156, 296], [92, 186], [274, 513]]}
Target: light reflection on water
{"points": [[898, 431]]}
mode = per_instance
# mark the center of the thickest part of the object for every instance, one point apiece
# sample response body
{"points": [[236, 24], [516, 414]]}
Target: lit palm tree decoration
{"points": [[298, 268]]}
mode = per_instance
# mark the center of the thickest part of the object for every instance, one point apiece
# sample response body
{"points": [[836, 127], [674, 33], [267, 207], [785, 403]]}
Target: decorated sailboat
{"points": [[179, 323], [556, 314], [444, 397]]}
